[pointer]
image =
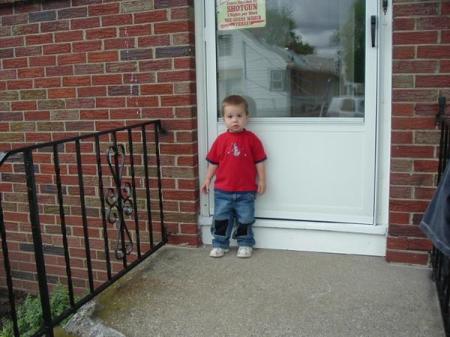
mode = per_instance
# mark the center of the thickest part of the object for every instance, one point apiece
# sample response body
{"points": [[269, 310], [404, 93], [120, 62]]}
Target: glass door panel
{"points": [[307, 60]]}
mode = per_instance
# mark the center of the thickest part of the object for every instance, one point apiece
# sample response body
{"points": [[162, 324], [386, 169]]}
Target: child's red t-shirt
{"points": [[236, 154]]}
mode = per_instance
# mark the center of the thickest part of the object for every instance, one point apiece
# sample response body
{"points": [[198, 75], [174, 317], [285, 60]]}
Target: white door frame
{"points": [[306, 236]]}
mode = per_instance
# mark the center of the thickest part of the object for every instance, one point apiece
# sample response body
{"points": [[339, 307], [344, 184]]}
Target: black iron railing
{"points": [[74, 199], [441, 263]]}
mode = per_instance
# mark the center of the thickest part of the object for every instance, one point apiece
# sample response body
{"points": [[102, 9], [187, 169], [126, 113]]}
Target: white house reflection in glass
{"points": [[308, 60]]}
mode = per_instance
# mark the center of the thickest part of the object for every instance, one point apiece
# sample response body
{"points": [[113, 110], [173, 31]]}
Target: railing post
{"points": [[37, 241], [12, 303], [158, 170]]}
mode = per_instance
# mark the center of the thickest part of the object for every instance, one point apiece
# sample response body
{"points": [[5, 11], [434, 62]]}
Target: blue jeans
{"points": [[231, 207]]}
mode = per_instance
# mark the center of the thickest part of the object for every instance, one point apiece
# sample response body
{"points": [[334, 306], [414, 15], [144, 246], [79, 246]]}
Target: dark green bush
{"points": [[29, 313]]}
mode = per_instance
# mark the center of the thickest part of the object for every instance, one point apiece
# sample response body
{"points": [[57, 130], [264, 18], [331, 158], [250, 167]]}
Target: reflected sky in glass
{"points": [[317, 20]]}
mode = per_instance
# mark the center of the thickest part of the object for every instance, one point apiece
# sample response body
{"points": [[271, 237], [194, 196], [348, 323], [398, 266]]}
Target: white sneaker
{"points": [[244, 252], [218, 252]]}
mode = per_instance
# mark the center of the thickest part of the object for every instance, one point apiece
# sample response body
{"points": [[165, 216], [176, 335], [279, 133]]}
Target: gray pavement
{"points": [[183, 292]]}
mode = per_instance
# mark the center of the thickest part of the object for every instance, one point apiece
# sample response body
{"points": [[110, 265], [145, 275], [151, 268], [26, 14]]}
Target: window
{"points": [[225, 45], [277, 80]]}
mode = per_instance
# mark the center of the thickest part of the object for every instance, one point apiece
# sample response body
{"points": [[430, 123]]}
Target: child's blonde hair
{"points": [[235, 100]]}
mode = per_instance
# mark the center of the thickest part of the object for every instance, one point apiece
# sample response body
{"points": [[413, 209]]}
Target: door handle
{"points": [[373, 27]]}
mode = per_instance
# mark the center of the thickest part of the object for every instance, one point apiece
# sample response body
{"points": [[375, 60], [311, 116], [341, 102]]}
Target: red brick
{"points": [[59, 71], [151, 16], [438, 81], [94, 114], [62, 93], [414, 95], [26, 105], [426, 166], [156, 89], [445, 36], [110, 102], [188, 62], [433, 51], [142, 101], [87, 46], [402, 109], [157, 112], [414, 66], [30, 72], [400, 192], [21, 84], [397, 243], [105, 56], [91, 91], [76, 35], [104, 9], [408, 206], [57, 48], [406, 257], [117, 20], [71, 59], [108, 125], [445, 8], [106, 79], [412, 179], [85, 23], [401, 137], [11, 42], [153, 41], [101, 33], [15, 63], [180, 13], [400, 123], [173, 27], [429, 110], [409, 38], [28, 51], [433, 23], [119, 43], [54, 26], [76, 81], [47, 82], [445, 66], [185, 240], [135, 30], [424, 193], [173, 76], [39, 39], [419, 9], [42, 61]]}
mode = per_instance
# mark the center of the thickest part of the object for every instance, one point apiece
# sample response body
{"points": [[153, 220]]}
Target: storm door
{"points": [[309, 71]]}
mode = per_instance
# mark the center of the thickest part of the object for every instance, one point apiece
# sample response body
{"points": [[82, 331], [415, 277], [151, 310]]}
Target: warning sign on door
{"points": [[237, 14]]}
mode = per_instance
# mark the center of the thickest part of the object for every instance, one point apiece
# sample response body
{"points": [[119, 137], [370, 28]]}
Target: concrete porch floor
{"points": [[183, 292]]}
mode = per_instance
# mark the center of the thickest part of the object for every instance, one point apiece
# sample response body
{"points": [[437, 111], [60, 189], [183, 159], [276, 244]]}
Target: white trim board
{"points": [[312, 236]]}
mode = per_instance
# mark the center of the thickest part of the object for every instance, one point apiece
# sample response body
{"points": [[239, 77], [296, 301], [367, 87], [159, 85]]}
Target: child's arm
{"points": [[209, 174], [261, 171]]}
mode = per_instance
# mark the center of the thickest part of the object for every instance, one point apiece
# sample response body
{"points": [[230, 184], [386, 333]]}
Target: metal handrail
{"points": [[117, 202]]}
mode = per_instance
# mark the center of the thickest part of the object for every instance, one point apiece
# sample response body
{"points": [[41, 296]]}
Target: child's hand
{"points": [[205, 186], [261, 187]]}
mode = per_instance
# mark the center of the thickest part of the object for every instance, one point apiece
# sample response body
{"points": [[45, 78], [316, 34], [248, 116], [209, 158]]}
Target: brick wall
{"points": [[421, 72], [77, 66]]}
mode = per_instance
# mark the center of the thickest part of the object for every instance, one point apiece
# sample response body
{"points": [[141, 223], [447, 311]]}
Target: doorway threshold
{"points": [[327, 237]]}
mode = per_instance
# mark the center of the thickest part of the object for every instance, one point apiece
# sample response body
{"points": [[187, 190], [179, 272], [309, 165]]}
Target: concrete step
{"points": [[183, 292]]}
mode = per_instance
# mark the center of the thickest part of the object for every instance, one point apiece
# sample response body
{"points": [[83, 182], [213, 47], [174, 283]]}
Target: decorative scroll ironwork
{"points": [[119, 200]]}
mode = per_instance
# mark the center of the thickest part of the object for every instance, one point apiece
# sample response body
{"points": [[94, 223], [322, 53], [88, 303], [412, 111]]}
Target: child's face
{"points": [[235, 117]]}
